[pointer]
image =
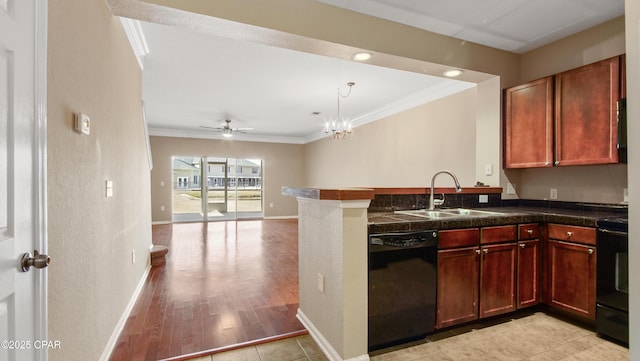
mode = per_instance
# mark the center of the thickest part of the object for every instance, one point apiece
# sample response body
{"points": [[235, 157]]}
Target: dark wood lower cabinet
{"points": [[572, 278], [457, 286], [528, 273], [498, 279]]}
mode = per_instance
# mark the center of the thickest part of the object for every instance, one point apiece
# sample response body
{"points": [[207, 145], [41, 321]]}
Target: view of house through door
{"points": [[210, 189]]}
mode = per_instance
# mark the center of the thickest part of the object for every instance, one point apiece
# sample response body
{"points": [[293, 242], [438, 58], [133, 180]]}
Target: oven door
{"points": [[612, 292]]}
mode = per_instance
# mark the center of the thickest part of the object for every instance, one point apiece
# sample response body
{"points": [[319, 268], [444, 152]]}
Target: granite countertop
{"points": [[380, 222]]}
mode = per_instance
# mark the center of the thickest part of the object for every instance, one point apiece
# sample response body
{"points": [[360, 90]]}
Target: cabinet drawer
{"points": [[577, 234], [498, 234], [459, 238], [529, 231]]}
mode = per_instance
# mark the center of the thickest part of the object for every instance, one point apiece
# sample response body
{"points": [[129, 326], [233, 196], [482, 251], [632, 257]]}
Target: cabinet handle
{"points": [[569, 234], [485, 251], [522, 245], [477, 251], [530, 231], [557, 162], [590, 250]]}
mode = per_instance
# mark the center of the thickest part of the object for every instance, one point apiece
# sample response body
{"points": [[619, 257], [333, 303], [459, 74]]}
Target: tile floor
{"points": [[533, 337]]}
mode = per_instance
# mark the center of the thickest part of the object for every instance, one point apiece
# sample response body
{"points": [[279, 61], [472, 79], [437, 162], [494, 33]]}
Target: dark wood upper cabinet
{"points": [[566, 119], [529, 125], [585, 117]]}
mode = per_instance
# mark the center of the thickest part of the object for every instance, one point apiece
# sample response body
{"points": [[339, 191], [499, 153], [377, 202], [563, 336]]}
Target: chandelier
{"points": [[339, 128]]}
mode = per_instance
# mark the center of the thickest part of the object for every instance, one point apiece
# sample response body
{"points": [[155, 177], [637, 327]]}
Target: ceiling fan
{"points": [[226, 129]]}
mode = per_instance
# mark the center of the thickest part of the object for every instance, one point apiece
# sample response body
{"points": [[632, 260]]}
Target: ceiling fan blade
{"points": [[212, 128]]}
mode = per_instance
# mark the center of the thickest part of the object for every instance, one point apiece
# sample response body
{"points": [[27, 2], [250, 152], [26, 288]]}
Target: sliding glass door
{"points": [[230, 189]]}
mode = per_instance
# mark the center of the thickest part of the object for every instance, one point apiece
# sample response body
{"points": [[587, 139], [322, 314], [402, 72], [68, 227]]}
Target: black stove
{"points": [[620, 224], [612, 279]]}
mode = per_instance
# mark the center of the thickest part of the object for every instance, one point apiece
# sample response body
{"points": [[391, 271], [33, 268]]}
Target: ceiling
{"points": [[192, 79]]}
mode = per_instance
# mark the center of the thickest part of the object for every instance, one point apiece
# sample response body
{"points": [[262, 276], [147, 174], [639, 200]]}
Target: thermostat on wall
{"points": [[83, 123]]}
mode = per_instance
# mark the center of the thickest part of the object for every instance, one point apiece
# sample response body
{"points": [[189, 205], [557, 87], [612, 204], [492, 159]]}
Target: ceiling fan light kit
{"points": [[339, 128], [226, 129]]}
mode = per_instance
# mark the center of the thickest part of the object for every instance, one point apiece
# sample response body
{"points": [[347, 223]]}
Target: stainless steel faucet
{"points": [[435, 202]]}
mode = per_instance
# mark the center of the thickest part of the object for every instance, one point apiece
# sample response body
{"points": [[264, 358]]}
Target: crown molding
{"points": [[138, 42]]}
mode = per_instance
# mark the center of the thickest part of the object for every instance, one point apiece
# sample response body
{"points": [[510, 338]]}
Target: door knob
{"points": [[38, 261]]}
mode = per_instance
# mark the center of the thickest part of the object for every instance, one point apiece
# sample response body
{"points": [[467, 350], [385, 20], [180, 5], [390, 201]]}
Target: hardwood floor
{"points": [[224, 283]]}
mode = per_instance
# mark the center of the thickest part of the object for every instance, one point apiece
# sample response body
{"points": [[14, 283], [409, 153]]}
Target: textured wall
{"points": [[91, 69], [632, 10], [283, 165], [333, 243], [402, 150]]}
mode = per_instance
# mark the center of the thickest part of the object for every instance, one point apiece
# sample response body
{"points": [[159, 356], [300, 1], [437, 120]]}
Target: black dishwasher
{"points": [[402, 287]]}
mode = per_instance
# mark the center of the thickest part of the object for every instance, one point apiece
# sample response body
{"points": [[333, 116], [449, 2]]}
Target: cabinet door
{"points": [[528, 273], [498, 279], [457, 286], [529, 125], [585, 104], [572, 278]]}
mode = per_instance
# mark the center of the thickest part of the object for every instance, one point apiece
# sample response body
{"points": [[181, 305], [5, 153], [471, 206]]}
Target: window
{"points": [[182, 182]]}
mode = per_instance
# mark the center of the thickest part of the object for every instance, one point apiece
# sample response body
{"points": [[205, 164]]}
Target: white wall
{"points": [[91, 69], [632, 10], [402, 150]]}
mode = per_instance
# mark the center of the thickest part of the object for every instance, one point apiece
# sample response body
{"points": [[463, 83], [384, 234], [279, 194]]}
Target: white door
{"points": [[22, 179]]}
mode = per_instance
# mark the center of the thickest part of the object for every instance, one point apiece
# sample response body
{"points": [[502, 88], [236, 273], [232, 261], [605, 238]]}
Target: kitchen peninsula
{"points": [[333, 230]]}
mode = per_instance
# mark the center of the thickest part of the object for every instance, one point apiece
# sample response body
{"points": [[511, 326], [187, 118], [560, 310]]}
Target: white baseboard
{"points": [[160, 222], [322, 342], [108, 349], [281, 217]]}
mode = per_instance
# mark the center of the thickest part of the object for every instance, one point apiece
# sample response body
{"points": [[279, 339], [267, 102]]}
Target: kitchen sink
{"points": [[448, 213], [469, 212], [427, 213]]}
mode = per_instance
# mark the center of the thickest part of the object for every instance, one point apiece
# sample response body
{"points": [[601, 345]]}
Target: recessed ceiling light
{"points": [[452, 73], [362, 56]]}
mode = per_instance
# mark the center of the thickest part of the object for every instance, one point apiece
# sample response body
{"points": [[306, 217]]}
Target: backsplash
{"points": [[397, 202], [576, 206]]}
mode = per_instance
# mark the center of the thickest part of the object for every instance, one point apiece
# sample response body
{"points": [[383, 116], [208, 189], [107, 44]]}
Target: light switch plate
{"points": [[488, 169], [320, 282], [511, 188], [553, 194], [108, 188], [83, 123]]}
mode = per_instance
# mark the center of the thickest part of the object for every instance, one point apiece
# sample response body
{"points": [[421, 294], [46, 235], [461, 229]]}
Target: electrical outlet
{"points": [[511, 188], [553, 194], [320, 283], [483, 198], [161, 208]]}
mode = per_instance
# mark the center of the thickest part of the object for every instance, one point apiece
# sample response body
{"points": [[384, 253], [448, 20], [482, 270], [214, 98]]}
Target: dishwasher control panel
{"points": [[404, 239]]}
